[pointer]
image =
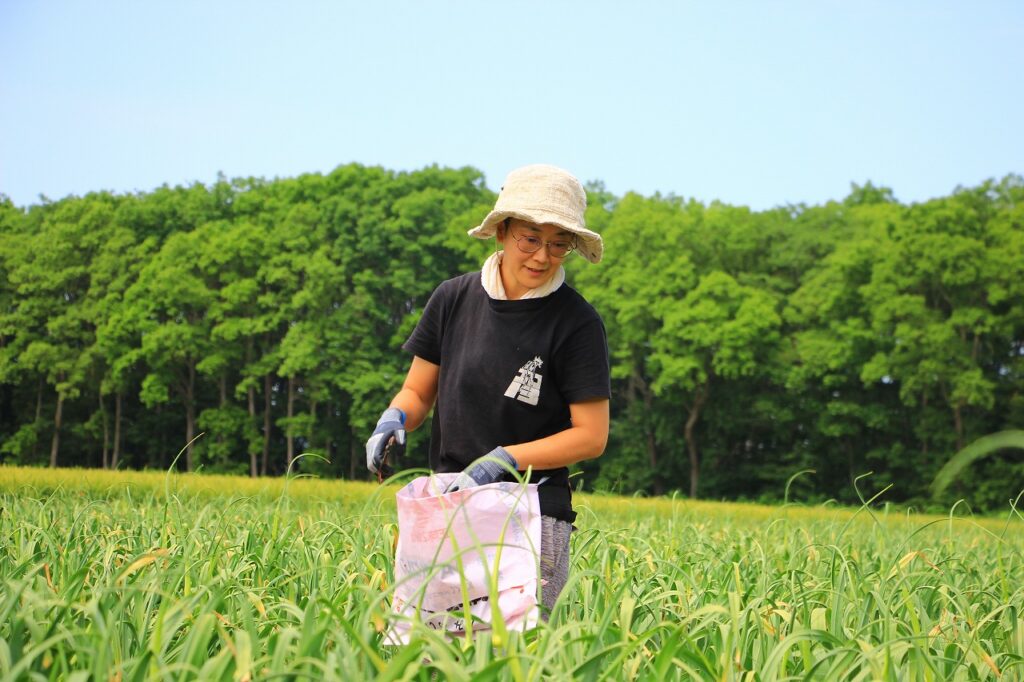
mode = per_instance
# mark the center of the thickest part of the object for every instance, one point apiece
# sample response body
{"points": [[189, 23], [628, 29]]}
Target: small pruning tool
{"points": [[384, 471]]}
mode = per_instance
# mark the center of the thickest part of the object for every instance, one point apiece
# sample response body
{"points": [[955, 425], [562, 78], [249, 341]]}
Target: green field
{"points": [[131, 576]]}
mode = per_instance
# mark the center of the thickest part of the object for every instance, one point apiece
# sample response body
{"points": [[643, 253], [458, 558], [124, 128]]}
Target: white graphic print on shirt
{"points": [[526, 385]]}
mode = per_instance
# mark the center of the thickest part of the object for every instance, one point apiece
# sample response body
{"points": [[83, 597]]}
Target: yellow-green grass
{"points": [[144, 575], [304, 491]]}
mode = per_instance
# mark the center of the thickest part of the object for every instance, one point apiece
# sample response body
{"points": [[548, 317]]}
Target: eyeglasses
{"points": [[558, 248]]}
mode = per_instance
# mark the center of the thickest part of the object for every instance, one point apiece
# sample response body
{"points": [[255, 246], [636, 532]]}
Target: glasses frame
{"points": [[543, 243]]}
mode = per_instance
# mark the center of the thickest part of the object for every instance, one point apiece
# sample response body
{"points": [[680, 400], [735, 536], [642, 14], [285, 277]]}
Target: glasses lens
{"points": [[531, 244], [526, 243], [559, 249]]}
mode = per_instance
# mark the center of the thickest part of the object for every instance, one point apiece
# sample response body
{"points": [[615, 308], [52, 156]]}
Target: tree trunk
{"points": [[250, 393], [222, 385], [958, 420], [253, 461], [850, 469], [266, 422], [691, 439], [290, 431], [327, 432], [190, 414], [106, 433], [39, 416], [634, 387], [354, 454], [958, 424], [924, 439], [652, 446], [312, 424], [117, 431], [55, 444]]}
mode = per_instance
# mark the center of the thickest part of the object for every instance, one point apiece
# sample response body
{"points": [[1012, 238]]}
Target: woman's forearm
{"points": [[585, 439], [418, 392], [414, 405]]}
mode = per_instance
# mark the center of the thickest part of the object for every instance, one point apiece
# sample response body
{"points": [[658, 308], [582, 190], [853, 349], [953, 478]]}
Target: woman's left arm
{"points": [[585, 439]]}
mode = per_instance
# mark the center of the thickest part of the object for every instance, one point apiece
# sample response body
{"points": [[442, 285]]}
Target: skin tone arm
{"points": [[585, 439], [418, 392]]}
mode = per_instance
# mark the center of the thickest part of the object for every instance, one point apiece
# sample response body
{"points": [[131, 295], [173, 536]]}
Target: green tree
{"points": [[720, 330], [829, 324], [168, 306], [114, 266], [51, 274], [931, 296], [19, 435], [241, 321], [644, 269]]}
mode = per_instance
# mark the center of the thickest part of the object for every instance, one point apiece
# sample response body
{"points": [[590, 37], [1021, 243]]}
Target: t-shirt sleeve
{"points": [[584, 372], [425, 340]]}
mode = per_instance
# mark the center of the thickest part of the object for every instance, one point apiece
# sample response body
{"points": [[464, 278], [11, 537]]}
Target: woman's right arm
{"points": [[418, 392]]}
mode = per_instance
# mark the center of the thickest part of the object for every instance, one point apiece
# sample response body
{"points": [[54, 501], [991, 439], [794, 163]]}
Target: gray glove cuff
{"points": [[392, 414]]}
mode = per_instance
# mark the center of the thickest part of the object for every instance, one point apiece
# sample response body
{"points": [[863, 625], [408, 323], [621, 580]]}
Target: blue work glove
{"points": [[388, 440], [493, 466]]}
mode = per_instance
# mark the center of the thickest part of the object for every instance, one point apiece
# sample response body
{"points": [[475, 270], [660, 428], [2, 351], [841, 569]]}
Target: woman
{"points": [[516, 360]]}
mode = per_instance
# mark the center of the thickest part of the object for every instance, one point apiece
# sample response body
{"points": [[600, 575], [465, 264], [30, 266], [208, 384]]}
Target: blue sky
{"points": [[753, 103]]}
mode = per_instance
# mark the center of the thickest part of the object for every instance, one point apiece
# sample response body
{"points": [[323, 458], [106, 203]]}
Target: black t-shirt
{"points": [[509, 371]]}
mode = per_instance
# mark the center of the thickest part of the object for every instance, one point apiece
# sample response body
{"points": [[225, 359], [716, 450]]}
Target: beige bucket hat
{"points": [[543, 194]]}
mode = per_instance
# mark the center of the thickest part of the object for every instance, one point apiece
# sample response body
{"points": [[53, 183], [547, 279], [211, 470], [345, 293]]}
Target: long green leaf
{"points": [[982, 447]]}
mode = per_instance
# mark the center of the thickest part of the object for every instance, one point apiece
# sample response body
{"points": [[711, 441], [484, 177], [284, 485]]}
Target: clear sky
{"points": [[754, 103]]}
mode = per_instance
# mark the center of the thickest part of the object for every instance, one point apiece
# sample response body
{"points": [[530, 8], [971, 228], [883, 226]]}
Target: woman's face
{"points": [[521, 272]]}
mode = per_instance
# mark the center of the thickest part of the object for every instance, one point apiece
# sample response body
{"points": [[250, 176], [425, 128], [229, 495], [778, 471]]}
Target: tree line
{"points": [[854, 337]]}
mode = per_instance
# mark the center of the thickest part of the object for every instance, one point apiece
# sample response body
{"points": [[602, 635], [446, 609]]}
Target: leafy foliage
{"points": [[859, 335]]}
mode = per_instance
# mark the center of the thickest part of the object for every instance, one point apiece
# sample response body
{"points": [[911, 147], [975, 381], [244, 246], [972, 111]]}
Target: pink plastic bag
{"points": [[493, 530]]}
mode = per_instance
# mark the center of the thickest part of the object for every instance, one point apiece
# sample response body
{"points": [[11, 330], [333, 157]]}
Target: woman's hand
{"points": [[492, 467], [389, 436]]}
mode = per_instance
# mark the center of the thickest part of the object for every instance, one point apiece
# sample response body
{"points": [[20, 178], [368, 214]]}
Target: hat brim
{"points": [[590, 245]]}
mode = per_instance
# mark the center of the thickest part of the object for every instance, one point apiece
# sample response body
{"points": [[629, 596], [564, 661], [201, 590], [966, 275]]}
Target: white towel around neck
{"points": [[490, 277]]}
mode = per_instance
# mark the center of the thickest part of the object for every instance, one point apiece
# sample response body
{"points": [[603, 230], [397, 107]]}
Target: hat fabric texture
{"points": [[543, 194]]}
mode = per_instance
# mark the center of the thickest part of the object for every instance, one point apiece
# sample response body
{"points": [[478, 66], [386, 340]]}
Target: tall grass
{"points": [[140, 576]]}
